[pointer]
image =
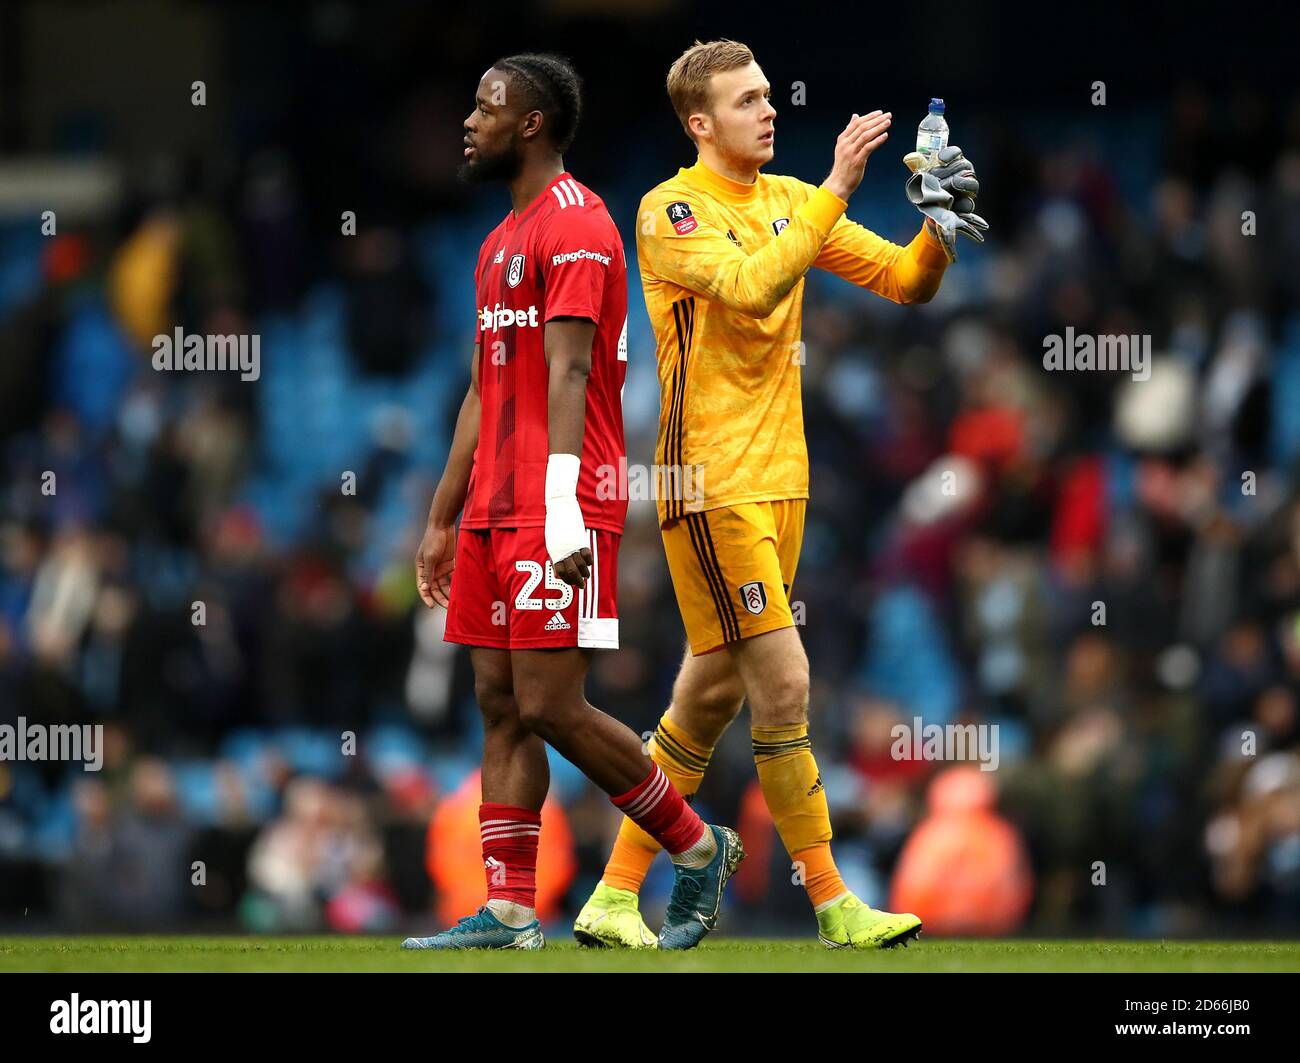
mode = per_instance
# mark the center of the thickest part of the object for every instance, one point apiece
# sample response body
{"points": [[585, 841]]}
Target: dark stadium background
{"points": [[1120, 744]]}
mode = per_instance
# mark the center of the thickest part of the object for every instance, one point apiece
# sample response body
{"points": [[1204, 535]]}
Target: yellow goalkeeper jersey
{"points": [[722, 265]]}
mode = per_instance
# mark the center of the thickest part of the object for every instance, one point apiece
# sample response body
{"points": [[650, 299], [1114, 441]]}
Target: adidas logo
{"points": [[557, 623], [816, 787]]}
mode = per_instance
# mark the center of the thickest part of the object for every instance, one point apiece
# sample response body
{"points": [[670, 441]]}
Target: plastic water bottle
{"points": [[932, 135]]}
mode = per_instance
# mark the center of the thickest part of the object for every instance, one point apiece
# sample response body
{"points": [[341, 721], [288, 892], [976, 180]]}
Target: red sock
{"points": [[509, 835], [658, 809]]}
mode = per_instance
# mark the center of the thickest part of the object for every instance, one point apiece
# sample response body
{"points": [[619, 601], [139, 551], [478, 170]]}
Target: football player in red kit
{"points": [[535, 558]]}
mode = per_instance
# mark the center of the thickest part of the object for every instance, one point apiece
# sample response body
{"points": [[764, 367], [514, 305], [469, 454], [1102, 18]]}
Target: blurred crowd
{"points": [[1106, 569]]}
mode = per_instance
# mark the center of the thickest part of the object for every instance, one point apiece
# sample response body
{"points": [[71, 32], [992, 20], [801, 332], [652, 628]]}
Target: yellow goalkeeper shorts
{"points": [[732, 569]]}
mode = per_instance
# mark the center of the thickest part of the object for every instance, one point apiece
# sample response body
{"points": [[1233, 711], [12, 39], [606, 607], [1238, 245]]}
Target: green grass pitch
{"points": [[116, 954]]}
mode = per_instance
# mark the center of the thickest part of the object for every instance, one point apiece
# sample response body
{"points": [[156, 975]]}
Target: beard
{"points": [[484, 168]]}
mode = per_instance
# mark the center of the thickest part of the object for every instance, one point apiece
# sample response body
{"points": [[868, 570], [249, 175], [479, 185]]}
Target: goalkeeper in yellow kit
{"points": [[723, 251]]}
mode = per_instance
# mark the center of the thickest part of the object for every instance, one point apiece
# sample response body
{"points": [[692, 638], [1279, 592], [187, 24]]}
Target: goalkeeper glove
{"points": [[957, 177], [945, 194]]}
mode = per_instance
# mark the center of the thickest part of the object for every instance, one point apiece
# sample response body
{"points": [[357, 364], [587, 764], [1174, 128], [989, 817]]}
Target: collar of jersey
{"points": [[723, 187], [512, 220]]}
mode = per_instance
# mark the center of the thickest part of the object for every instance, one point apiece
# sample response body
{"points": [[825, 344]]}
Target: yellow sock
{"points": [[821, 878], [796, 798], [683, 759]]}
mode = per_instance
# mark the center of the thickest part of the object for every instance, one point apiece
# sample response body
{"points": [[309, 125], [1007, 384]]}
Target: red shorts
{"points": [[505, 594]]}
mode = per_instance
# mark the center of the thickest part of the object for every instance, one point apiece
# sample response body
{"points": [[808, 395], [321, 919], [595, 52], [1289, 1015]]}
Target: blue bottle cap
{"points": [[936, 106]]}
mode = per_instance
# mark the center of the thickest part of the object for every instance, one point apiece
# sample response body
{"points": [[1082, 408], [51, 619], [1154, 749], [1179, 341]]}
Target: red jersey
{"points": [[562, 257]]}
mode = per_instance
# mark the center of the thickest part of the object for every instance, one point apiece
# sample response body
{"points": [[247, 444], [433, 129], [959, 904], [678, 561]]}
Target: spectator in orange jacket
{"points": [[964, 870], [454, 851]]}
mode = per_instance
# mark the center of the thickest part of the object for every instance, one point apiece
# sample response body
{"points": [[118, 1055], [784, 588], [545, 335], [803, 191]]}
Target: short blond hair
{"points": [[688, 77]]}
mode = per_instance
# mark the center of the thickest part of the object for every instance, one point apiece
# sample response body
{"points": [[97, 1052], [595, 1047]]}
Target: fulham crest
{"points": [[515, 271], [753, 596]]}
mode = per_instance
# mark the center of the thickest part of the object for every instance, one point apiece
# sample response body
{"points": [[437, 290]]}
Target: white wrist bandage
{"points": [[566, 532]]}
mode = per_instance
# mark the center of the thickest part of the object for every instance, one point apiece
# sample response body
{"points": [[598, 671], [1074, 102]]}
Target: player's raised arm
{"points": [[853, 147], [436, 556], [568, 360], [690, 251], [910, 274]]}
